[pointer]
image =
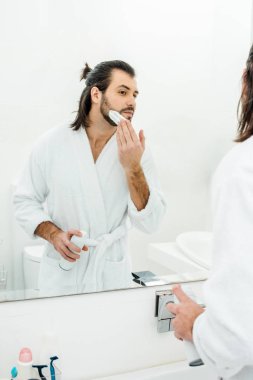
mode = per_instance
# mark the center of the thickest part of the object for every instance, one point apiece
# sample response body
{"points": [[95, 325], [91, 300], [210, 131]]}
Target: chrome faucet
{"points": [[164, 316]]}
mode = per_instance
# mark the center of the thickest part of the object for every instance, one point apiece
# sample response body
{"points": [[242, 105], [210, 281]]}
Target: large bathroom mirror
{"points": [[188, 57]]}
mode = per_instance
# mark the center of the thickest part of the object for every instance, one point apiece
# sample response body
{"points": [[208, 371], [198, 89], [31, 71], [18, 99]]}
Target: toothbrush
{"points": [[115, 116]]}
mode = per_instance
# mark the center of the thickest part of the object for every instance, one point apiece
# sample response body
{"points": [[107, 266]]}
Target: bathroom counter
{"points": [[174, 371]]}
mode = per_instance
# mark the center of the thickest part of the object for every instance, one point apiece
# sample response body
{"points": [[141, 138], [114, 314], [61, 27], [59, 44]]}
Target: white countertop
{"points": [[169, 255]]}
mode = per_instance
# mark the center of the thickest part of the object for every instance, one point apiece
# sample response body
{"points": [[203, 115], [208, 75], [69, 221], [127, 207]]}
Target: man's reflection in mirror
{"points": [[94, 176]]}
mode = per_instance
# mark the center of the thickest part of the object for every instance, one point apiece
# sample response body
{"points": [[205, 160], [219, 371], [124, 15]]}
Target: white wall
{"points": [[188, 55]]}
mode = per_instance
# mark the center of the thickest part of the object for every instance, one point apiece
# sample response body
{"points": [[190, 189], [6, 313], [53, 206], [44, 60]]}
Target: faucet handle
{"points": [[164, 316]]}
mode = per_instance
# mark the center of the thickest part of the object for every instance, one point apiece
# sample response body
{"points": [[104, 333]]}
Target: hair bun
{"points": [[85, 71]]}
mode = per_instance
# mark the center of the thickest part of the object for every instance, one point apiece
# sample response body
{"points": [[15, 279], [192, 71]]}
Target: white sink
{"points": [[170, 256], [173, 371], [190, 253], [196, 246]]}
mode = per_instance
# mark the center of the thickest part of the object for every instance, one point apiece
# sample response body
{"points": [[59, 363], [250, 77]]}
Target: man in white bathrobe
{"points": [[93, 176], [223, 333]]}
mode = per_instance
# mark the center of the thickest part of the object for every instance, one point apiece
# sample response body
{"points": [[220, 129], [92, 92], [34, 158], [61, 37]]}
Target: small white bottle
{"points": [[79, 241], [24, 365]]}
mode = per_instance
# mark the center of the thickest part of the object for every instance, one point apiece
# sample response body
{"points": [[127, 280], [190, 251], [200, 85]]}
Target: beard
{"points": [[105, 107]]}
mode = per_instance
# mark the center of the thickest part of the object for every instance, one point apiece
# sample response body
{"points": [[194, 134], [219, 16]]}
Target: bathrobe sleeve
{"points": [[223, 334], [31, 192], [148, 219]]}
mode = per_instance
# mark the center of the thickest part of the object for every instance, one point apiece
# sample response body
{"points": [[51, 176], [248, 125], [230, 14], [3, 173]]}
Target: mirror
{"points": [[188, 58]]}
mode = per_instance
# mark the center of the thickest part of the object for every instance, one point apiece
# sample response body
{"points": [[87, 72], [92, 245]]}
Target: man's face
{"points": [[119, 96]]}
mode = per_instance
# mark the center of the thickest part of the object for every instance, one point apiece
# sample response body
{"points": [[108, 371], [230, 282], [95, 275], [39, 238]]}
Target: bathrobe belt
{"points": [[93, 278]]}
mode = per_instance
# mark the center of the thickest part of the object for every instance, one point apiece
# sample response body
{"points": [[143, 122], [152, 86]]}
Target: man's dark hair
{"points": [[245, 106], [99, 77]]}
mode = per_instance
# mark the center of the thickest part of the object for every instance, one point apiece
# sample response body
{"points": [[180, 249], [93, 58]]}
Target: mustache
{"points": [[127, 109]]}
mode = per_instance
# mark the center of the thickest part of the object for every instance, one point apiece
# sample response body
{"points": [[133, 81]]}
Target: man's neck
{"points": [[99, 130]]}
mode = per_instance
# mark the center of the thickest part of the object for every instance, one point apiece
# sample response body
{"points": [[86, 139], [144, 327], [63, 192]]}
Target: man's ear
{"points": [[95, 95]]}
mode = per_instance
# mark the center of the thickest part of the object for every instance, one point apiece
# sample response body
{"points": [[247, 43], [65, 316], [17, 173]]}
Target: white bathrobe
{"points": [[223, 334], [88, 196]]}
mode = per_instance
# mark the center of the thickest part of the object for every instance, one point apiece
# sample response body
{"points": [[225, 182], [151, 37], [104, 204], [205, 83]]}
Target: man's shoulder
{"points": [[241, 154], [54, 136], [57, 132], [237, 162], [52, 142]]}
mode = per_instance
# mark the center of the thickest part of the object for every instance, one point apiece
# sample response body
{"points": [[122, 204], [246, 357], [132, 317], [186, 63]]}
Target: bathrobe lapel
{"points": [[90, 186], [95, 209]]}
